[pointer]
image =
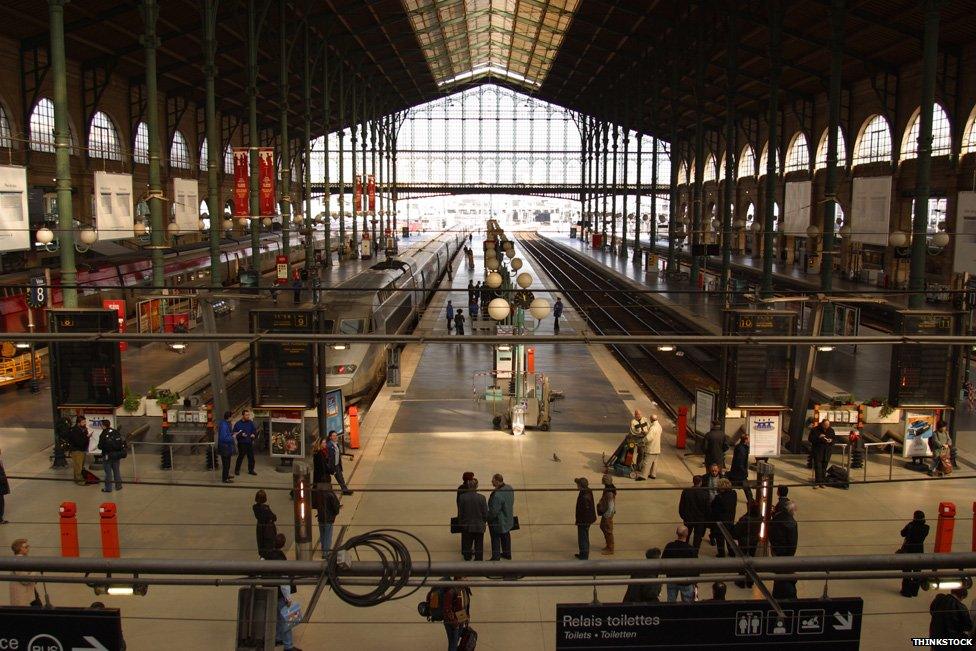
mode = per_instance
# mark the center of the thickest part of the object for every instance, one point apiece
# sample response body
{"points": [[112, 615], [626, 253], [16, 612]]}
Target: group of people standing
{"points": [[475, 514], [111, 446], [587, 511], [239, 437]]}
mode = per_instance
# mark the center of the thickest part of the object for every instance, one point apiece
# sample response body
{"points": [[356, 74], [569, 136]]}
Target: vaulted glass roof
{"points": [[515, 40]]}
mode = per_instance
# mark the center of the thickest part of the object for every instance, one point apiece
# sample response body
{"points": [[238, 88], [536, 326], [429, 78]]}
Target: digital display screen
{"points": [[920, 375], [83, 373], [760, 376], [283, 374]]}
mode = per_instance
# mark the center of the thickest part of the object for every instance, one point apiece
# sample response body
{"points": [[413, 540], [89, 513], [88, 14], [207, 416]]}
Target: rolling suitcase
{"points": [[838, 477]]}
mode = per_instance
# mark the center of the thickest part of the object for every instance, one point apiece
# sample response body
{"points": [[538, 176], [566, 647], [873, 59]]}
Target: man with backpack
{"points": [[452, 606], [112, 444]]}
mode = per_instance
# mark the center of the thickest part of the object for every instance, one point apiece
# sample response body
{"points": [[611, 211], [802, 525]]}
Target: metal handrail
{"points": [[171, 445]]}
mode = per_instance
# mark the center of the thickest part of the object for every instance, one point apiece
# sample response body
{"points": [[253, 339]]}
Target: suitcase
{"points": [[838, 477], [469, 639]]}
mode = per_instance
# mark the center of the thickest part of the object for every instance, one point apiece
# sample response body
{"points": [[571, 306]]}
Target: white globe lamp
{"points": [[524, 280], [139, 228], [228, 224], [499, 309], [88, 236], [494, 280], [267, 222], [45, 235], [516, 263], [492, 264], [940, 239], [898, 239], [539, 308], [812, 231]]}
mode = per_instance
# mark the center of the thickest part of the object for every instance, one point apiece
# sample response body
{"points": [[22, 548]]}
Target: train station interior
{"points": [[680, 293]]}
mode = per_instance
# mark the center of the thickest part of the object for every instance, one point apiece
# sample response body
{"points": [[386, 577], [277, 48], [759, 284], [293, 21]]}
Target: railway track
{"points": [[670, 376]]}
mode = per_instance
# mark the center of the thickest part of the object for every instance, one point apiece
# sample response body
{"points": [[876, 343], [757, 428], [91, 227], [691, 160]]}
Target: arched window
{"points": [[821, 160], [750, 214], [721, 168], [764, 160], [5, 138], [42, 126], [179, 154], [747, 163], [204, 156], [228, 160], [798, 154], [874, 143], [693, 172], [682, 174], [710, 173], [103, 138], [140, 146], [941, 142]]}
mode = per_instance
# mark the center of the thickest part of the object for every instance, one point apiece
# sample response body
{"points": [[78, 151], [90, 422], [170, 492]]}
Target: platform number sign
{"points": [[920, 374], [760, 376], [283, 372], [37, 290]]}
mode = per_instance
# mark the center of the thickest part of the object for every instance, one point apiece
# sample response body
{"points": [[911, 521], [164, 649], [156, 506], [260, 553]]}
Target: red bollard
{"points": [[69, 529], [354, 427], [530, 360], [682, 432], [943, 530], [110, 530]]}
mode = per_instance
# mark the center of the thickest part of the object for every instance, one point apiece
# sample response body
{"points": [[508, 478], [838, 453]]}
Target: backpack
{"points": [[432, 607], [445, 604], [603, 506]]}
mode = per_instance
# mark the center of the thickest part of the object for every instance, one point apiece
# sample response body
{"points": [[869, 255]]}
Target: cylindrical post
{"points": [[68, 520], [213, 140], [354, 427], [623, 208], [302, 492], [353, 151], [605, 126], [923, 166], [62, 155], [775, 63], [254, 208], [697, 203], [326, 91], [342, 173], [150, 12], [109, 527], [285, 185], [307, 157], [613, 191], [637, 205], [729, 187], [681, 428], [830, 181]]}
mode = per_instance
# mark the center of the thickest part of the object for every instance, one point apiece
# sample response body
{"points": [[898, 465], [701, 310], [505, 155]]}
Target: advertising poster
{"points": [[266, 182], [242, 182], [704, 410], [964, 258], [918, 430], [764, 433], [797, 217], [94, 423], [357, 195], [287, 434], [371, 193], [281, 269], [14, 229], [114, 212], [334, 412]]}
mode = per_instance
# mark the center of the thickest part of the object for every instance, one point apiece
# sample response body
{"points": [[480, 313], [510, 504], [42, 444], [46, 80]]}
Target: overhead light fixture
{"points": [[949, 583], [121, 589], [666, 348], [22, 345], [825, 349], [177, 346], [338, 347]]}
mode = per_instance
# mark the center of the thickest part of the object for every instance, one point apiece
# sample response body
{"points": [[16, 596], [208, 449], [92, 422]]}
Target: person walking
{"points": [[284, 627], [950, 617], [465, 478], [473, 520], [320, 461], [606, 508], [723, 512], [112, 444], [585, 517], [693, 509], [914, 534], [783, 537], [679, 548], [334, 461], [326, 504], [4, 489], [23, 593], [557, 311], [651, 449], [459, 322], [456, 602], [78, 440], [501, 518], [245, 432], [450, 316], [266, 531], [738, 472], [715, 445], [645, 592], [225, 446], [822, 442], [941, 445]]}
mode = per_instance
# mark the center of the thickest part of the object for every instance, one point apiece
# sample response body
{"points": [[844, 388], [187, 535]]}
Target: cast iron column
{"points": [[327, 253], [775, 37], [606, 155], [62, 156], [652, 220], [363, 136], [150, 12], [307, 155], [354, 248], [613, 190], [623, 198], [729, 188], [253, 29], [637, 206], [697, 204], [930, 52], [283, 121], [213, 139], [342, 164], [830, 181]]}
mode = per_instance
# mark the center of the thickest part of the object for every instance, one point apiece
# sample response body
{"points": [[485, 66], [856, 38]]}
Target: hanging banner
{"points": [[764, 433], [371, 192], [797, 217], [114, 214], [14, 229], [357, 195], [242, 182], [186, 205], [918, 430], [964, 249], [871, 210], [267, 205]]}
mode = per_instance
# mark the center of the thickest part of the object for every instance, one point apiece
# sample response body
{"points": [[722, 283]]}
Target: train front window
{"points": [[352, 327]]}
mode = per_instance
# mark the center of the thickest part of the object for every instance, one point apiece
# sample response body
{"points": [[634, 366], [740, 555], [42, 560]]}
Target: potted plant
{"points": [[877, 410], [132, 403], [166, 398]]}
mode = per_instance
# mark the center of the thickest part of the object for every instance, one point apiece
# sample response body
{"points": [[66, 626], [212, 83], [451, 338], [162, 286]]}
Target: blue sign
{"points": [[334, 412]]}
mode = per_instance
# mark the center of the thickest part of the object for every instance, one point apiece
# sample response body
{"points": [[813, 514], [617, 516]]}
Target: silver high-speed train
{"points": [[379, 308]]}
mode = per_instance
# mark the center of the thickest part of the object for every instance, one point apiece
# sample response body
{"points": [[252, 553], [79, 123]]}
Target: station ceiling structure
{"points": [[629, 61]]}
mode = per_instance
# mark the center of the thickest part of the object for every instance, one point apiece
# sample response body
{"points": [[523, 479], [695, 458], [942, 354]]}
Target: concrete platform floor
{"points": [[189, 515]]}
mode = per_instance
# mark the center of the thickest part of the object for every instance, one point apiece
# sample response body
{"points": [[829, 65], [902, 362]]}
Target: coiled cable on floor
{"points": [[392, 553]]}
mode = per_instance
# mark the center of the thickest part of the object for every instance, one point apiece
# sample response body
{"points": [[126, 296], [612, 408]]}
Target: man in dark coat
{"points": [[645, 592], [738, 472], [693, 508], [714, 445], [266, 530], [822, 442], [112, 445], [585, 517], [746, 534], [783, 536], [914, 533], [723, 511], [950, 617], [473, 519], [326, 505], [77, 438], [4, 490], [333, 463]]}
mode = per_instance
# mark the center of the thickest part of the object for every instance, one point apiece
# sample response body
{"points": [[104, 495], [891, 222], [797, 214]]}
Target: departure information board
{"points": [[85, 373], [920, 375], [760, 376], [283, 374]]}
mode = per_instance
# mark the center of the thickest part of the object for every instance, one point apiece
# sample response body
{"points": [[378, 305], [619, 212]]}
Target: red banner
{"points": [[281, 269], [371, 192], [119, 306], [242, 182], [267, 205], [357, 195]]}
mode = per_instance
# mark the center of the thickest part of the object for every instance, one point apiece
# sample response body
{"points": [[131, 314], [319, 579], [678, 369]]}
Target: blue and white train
{"points": [[388, 298]]}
